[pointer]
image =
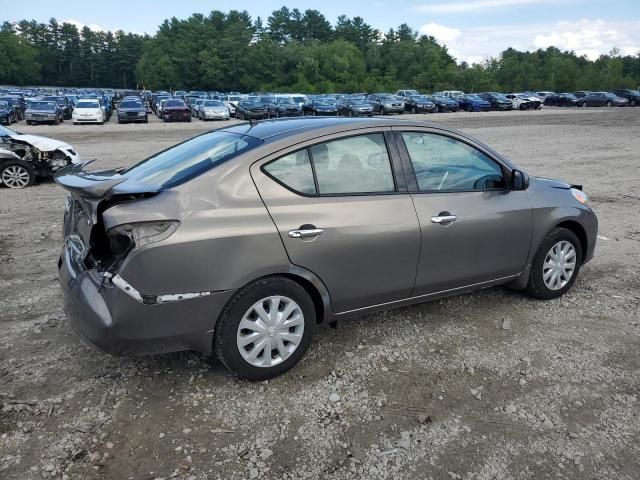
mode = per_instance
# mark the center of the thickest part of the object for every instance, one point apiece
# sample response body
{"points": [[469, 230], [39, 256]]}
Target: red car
{"points": [[176, 111]]}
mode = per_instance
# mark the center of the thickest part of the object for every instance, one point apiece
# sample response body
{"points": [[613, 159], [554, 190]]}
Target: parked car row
{"points": [[582, 98]]}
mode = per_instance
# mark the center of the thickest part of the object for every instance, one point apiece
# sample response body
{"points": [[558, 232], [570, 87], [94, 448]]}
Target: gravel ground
{"points": [[490, 385]]}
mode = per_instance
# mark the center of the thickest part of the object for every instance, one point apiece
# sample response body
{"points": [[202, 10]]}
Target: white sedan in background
{"points": [[88, 111]]}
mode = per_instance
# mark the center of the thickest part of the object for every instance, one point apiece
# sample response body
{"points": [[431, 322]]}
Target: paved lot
{"points": [[491, 385]]}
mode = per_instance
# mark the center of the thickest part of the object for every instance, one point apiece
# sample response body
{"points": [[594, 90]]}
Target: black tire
{"points": [[56, 121], [413, 110], [25, 166], [536, 286], [609, 104], [583, 104], [28, 122], [469, 108], [633, 102], [225, 337], [351, 113]]}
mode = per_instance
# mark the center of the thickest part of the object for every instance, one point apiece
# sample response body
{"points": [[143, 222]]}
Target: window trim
{"points": [[395, 174], [412, 181]]}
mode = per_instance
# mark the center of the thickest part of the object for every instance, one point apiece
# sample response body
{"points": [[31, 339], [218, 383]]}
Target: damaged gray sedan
{"points": [[242, 240]]}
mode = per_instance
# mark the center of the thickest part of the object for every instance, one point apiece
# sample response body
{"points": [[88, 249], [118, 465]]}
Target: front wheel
{"points": [[265, 329], [17, 175], [556, 264], [609, 104]]}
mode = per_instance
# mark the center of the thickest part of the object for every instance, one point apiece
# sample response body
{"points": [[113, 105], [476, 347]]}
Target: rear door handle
{"points": [[306, 233], [444, 219]]}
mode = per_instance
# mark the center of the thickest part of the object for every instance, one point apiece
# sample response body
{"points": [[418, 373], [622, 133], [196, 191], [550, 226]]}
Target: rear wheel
{"points": [[17, 175], [413, 110], [265, 329], [609, 104], [633, 102], [556, 264]]}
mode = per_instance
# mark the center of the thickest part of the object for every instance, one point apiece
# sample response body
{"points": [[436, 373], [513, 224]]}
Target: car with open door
{"points": [[309, 221]]}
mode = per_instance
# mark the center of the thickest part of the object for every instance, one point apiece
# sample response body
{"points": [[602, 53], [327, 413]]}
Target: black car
{"points": [[632, 95], [17, 104], [444, 104], [355, 107], [7, 114], [251, 110], [44, 111], [287, 107], [321, 106], [132, 111], [385, 103], [498, 100], [419, 104], [63, 103], [602, 99], [561, 100]]}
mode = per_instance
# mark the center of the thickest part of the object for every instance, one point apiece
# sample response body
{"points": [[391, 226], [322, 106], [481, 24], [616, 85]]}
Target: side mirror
{"points": [[519, 180]]}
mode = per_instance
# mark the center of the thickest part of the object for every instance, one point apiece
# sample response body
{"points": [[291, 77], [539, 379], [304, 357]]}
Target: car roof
{"points": [[269, 129]]}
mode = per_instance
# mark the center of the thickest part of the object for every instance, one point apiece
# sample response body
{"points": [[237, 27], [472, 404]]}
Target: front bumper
{"points": [[87, 119], [111, 320], [215, 115]]}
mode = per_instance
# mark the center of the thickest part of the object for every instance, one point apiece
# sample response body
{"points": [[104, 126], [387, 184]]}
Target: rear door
{"points": [[343, 212], [474, 229]]}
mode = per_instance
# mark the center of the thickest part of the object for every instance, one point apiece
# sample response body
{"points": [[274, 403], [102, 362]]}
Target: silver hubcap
{"points": [[559, 265], [15, 176], [270, 331]]}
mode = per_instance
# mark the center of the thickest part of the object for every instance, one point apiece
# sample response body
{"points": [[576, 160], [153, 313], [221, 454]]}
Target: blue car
{"points": [[473, 103], [444, 104]]}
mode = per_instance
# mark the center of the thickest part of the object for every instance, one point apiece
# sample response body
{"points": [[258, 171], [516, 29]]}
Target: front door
{"points": [[474, 228], [341, 215]]}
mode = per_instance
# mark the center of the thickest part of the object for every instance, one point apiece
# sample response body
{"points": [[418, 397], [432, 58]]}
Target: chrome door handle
{"points": [[443, 219], [310, 233]]}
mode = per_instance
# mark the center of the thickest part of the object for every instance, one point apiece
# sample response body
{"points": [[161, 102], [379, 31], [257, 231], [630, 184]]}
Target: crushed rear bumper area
{"points": [[112, 320]]}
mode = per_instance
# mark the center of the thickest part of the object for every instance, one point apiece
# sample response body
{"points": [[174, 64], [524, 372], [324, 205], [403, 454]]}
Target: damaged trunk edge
{"points": [[95, 247]]}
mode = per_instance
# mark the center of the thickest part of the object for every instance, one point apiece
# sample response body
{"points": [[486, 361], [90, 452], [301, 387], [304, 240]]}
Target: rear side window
{"points": [[444, 163], [294, 171], [354, 165]]}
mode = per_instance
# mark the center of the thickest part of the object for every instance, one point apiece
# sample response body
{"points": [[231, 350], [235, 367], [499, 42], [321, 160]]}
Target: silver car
{"points": [[242, 240], [213, 110]]}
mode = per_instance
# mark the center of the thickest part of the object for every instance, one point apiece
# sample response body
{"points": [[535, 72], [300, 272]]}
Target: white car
{"points": [[23, 158], [536, 102], [520, 101], [88, 111], [453, 94]]}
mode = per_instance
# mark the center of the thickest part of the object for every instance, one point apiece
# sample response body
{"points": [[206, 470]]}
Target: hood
{"points": [[552, 183], [41, 143]]}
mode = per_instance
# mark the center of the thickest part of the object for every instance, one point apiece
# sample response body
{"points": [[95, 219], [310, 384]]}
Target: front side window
{"points": [[447, 164]]}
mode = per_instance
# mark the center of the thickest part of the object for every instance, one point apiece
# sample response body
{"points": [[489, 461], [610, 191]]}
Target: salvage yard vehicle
{"points": [[385, 103], [175, 110], [419, 104], [17, 104], [632, 95], [44, 111], [519, 101], [240, 241], [561, 100], [65, 105], [473, 103], [444, 104], [355, 106], [498, 100], [602, 99], [251, 110], [7, 114], [213, 110], [88, 111], [131, 110], [25, 158], [321, 106], [287, 106]]}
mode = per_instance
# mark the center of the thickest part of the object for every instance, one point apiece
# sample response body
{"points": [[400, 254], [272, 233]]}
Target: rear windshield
{"points": [[213, 103], [131, 105], [87, 104], [190, 159], [174, 103], [42, 106]]}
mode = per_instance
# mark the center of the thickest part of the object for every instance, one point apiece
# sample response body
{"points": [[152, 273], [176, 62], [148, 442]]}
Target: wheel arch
{"points": [[579, 231]]}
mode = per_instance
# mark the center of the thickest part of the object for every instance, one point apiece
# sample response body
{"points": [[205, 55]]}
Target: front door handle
{"points": [[306, 233], [444, 219]]}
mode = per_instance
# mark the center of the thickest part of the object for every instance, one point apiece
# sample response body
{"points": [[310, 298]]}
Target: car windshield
{"points": [[472, 97], [325, 101], [441, 98], [58, 100], [88, 104], [285, 100], [43, 106], [213, 103], [419, 98], [299, 99], [174, 103], [131, 105], [4, 105], [388, 98], [190, 159]]}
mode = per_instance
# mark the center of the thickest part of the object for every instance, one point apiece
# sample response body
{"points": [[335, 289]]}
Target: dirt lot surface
{"points": [[490, 385]]}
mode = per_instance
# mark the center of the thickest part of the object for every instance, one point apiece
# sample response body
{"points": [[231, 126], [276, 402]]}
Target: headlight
{"points": [[142, 114], [580, 196], [143, 233]]}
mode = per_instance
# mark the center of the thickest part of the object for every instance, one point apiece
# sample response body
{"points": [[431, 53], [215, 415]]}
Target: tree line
{"points": [[290, 51]]}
